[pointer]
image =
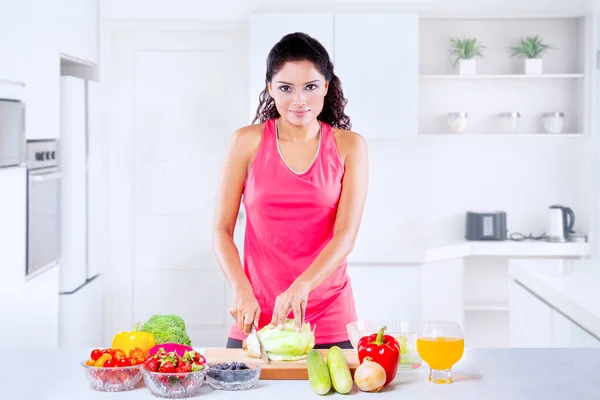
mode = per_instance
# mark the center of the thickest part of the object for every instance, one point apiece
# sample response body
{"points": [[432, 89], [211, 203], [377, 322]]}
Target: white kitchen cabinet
{"points": [[386, 292], [534, 323], [13, 240], [42, 70], [375, 56], [78, 29], [40, 314], [377, 60], [267, 29], [565, 333], [530, 320], [12, 40]]}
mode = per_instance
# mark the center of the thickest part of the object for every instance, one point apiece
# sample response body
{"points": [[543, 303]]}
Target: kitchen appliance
{"points": [[81, 293], [12, 133], [43, 205], [486, 226], [560, 223]]}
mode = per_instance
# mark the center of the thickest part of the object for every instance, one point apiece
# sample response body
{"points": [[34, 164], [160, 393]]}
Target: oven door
{"points": [[43, 220]]}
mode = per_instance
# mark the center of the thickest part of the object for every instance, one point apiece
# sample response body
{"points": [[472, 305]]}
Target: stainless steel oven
{"points": [[43, 205]]}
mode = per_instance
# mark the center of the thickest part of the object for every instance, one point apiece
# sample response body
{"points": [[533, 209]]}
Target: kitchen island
{"points": [[488, 374]]}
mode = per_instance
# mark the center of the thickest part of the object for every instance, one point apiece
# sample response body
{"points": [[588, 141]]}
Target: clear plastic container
{"points": [[112, 379], [553, 121], [173, 385], [458, 122], [510, 122], [233, 379]]}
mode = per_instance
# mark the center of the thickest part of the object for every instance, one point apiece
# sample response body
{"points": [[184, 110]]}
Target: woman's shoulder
{"points": [[348, 142], [248, 137]]}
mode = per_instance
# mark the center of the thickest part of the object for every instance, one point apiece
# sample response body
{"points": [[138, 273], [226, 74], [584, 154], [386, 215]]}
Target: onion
{"points": [[369, 376]]}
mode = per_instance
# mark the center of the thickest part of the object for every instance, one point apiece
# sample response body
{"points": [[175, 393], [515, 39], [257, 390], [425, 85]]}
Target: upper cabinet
{"points": [[377, 60], [267, 29], [78, 29], [374, 55], [12, 40], [42, 71]]}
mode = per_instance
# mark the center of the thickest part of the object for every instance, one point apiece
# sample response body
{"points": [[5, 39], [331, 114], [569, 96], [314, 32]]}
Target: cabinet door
{"points": [[377, 60], [43, 71], [78, 29], [267, 29], [386, 292], [13, 240], [565, 333], [12, 40], [530, 319]]}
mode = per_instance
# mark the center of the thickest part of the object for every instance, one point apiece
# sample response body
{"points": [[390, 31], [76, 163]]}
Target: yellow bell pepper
{"points": [[127, 340]]}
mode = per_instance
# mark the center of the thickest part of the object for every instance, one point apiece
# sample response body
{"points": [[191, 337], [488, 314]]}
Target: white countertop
{"points": [[490, 374], [570, 286], [426, 251]]}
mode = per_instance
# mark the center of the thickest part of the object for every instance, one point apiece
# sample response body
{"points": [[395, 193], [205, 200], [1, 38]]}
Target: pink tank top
{"points": [[290, 218]]}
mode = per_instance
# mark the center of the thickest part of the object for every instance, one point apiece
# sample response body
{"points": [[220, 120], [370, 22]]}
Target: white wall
{"points": [[421, 187]]}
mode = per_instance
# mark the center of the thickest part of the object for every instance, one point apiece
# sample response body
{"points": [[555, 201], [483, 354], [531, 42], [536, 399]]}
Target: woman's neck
{"points": [[297, 133]]}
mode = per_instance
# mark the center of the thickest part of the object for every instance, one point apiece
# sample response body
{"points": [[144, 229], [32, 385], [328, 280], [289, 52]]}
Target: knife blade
{"points": [[263, 353]]}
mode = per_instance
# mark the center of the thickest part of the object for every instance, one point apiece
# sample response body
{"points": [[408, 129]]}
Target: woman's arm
{"points": [[245, 309], [347, 223]]}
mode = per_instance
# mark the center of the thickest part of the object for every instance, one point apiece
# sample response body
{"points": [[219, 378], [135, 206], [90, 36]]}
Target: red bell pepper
{"points": [[383, 349]]}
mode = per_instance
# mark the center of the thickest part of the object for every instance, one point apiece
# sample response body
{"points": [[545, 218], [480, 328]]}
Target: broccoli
{"points": [[167, 329]]}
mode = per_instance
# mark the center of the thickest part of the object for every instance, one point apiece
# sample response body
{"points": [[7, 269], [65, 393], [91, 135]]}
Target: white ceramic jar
{"points": [[457, 122], [553, 122], [510, 122]]}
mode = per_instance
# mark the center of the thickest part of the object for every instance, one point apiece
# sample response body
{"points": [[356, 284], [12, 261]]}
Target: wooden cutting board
{"points": [[275, 370]]}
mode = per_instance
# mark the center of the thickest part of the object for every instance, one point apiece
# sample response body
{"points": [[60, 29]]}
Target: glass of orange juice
{"points": [[441, 345]]}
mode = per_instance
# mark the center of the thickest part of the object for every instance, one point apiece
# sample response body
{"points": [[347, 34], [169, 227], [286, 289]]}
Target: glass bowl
{"points": [[173, 385], [232, 379], [404, 331], [112, 379]]}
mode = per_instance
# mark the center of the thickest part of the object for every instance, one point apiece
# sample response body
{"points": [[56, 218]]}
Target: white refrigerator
{"points": [[81, 302]]}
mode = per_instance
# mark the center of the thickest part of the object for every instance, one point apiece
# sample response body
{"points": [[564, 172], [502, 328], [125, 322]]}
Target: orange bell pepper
{"points": [[127, 340]]}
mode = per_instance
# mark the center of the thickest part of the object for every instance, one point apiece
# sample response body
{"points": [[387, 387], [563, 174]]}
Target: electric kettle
{"points": [[560, 223]]}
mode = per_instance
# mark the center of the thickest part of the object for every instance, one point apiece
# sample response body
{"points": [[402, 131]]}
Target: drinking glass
{"points": [[441, 345]]}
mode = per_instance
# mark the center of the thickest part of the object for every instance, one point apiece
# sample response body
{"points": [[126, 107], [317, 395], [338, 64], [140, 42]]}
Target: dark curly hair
{"points": [[302, 47]]}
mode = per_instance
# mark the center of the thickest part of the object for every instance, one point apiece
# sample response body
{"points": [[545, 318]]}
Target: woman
{"points": [[303, 177]]}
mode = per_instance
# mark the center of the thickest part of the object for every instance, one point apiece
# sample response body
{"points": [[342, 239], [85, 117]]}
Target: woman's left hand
{"points": [[293, 299]]}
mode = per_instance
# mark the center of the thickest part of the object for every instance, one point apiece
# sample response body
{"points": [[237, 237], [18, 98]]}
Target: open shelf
{"points": [[503, 76]]}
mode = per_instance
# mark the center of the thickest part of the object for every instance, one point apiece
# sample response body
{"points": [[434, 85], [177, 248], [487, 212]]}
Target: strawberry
{"points": [[167, 368], [183, 367], [151, 364]]}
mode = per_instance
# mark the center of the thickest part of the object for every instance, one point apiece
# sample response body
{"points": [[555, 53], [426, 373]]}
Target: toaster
{"points": [[486, 226]]}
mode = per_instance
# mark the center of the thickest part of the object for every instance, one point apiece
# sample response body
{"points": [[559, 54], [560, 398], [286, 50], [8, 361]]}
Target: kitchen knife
{"points": [[263, 353]]}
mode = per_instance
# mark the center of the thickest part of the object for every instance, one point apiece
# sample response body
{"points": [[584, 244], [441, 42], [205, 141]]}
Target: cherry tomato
{"points": [[137, 360], [96, 353], [90, 362], [118, 354], [110, 363], [123, 362], [107, 351], [136, 352]]}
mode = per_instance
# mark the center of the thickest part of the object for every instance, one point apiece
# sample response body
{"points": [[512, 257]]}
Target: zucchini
{"points": [[318, 373], [339, 370]]}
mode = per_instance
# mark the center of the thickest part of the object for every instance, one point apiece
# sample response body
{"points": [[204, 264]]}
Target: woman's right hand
{"points": [[245, 310]]}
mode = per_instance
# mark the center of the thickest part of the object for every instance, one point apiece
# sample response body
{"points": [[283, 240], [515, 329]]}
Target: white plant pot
{"points": [[467, 67], [533, 66]]}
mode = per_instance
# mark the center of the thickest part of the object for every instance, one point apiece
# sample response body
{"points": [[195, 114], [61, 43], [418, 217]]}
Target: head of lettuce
{"points": [[285, 344]]}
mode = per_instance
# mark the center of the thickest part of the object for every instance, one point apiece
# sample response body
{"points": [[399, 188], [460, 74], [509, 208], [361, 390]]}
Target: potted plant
{"points": [[532, 48], [465, 50]]}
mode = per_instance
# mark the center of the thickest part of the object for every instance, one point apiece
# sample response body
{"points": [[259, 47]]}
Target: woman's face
{"points": [[299, 90]]}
